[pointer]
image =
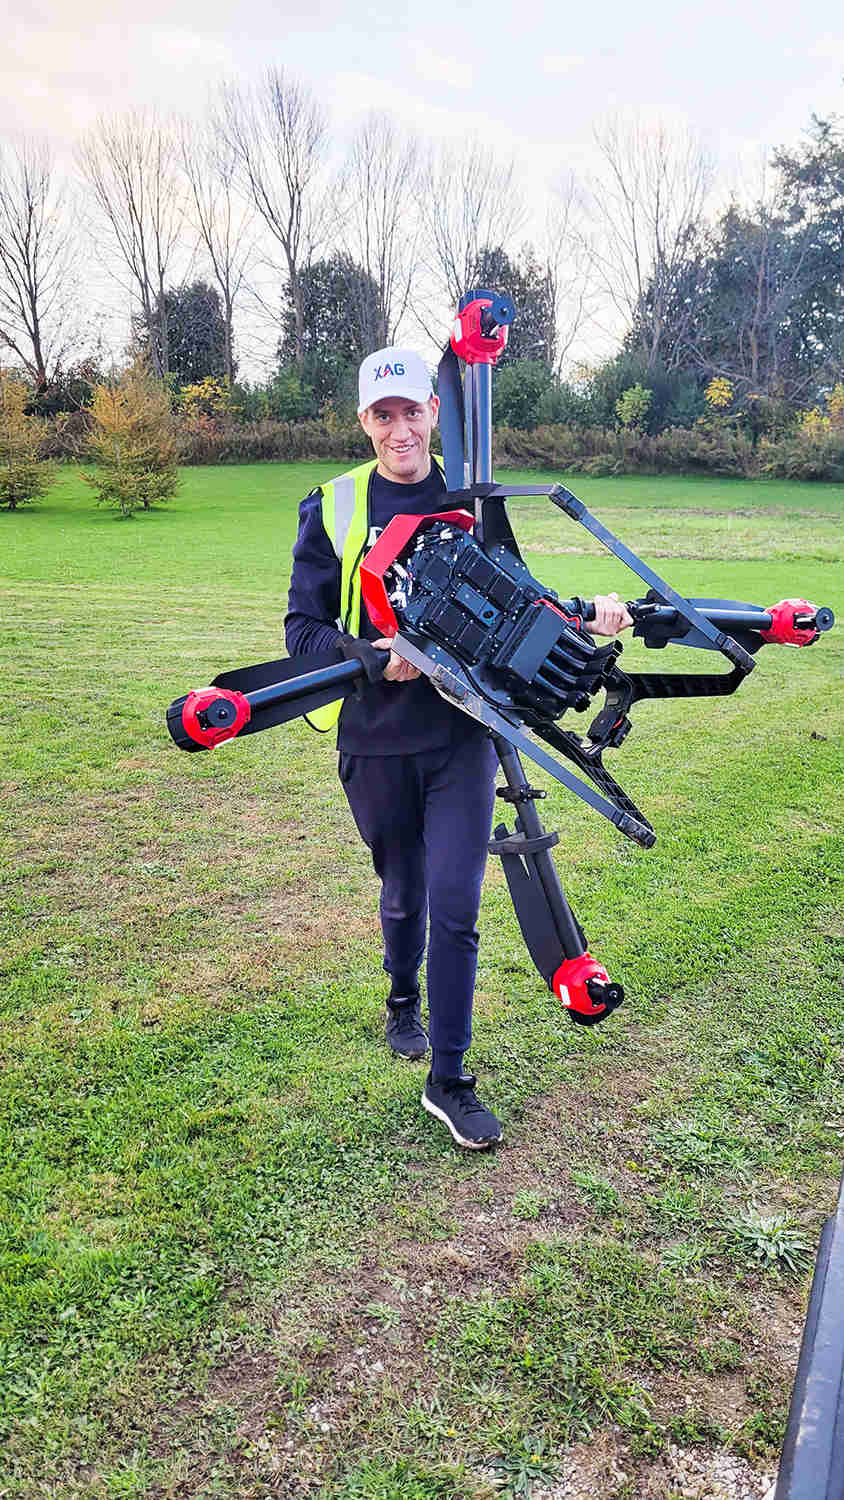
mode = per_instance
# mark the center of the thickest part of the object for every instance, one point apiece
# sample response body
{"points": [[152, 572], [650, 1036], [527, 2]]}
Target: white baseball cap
{"points": [[393, 372]]}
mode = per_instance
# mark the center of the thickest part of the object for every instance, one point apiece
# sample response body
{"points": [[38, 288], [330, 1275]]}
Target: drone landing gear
{"points": [[553, 936]]}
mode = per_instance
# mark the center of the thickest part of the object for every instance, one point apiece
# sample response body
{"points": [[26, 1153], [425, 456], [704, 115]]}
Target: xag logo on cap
{"points": [[381, 371]]}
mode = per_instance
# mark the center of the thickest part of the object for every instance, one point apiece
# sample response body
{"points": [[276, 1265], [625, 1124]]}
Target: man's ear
{"points": [[435, 409]]}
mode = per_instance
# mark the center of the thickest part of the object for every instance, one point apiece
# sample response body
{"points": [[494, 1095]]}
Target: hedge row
{"points": [[710, 448]]}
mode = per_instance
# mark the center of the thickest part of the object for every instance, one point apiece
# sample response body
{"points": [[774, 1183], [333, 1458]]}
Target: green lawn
{"points": [[237, 1259]]}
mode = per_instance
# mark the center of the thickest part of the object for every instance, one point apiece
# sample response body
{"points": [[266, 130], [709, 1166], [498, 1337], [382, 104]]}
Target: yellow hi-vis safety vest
{"points": [[345, 516]]}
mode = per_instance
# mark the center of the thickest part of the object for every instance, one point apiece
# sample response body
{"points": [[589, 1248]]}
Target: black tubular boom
{"points": [[529, 823], [301, 687]]}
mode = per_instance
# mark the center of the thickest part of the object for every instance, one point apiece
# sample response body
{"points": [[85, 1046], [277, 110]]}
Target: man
{"points": [[417, 773]]}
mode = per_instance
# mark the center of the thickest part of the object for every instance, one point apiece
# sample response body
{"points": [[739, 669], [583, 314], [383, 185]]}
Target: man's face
{"points": [[400, 431]]}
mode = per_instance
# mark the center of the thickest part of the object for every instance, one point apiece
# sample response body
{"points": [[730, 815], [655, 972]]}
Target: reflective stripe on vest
{"points": [[345, 516]]}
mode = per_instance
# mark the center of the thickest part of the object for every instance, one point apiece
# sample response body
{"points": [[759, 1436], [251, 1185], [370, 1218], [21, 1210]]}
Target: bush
{"points": [[633, 406], [519, 391], [803, 455], [66, 436], [23, 477], [269, 441], [594, 450]]}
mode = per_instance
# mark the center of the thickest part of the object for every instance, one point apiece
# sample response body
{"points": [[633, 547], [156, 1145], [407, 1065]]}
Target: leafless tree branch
{"points": [[379, 187], [131, 166], [647, 205], [221, 218], [470, 202], [277, 136], [36, 253]]}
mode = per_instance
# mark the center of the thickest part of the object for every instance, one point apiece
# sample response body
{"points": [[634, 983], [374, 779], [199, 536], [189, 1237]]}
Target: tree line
{"points": [[246, 212]]}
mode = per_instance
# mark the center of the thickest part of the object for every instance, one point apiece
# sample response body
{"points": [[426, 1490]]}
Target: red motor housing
{"points": [[784, 629], [585, 989], [468, 339], [212, 715]]}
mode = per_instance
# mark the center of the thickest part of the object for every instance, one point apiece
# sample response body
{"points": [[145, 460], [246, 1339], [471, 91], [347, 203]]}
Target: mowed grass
{"points": [[237, 1259]]}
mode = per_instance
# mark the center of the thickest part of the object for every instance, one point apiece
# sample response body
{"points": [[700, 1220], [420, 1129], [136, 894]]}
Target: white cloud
{"points": [[560, 63], [831, 47], [439, 67]]}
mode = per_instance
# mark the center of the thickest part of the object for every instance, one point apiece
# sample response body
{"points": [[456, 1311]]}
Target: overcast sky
{"points": [[534, 79]]}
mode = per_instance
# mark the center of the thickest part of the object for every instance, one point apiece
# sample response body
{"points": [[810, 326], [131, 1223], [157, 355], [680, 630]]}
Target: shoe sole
{"points": [[462, 1140], [409, 1056]]}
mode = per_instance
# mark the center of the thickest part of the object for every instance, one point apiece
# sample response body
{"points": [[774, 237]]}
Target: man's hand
{"points": [[397, 669], [610, 616]]}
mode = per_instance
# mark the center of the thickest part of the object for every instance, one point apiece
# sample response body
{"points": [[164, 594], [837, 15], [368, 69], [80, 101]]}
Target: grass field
{"points": [[236, 1259]]}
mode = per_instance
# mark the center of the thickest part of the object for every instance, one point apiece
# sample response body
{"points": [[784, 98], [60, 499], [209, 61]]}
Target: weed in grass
{"points": [[600, 1193], [679, 1205], [700, 1146], [529, 1204], [760, 1437], [684, 1256], [695, 1428], [401, 1479], [383, 1313], [524, 1466], [772, 1241]]}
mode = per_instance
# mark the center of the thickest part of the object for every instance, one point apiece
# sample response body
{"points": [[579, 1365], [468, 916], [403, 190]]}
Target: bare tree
{"points": [[277, 135], [380, 186], [131, 164], [470, 202], [567, 261], [648, 206], [36, 253], [219, 216]]}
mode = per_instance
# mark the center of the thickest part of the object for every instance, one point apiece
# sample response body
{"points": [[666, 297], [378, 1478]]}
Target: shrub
{"points": [[66, 436], [269, 441], [133, 441], [633, 405], [806, 454], [23, 477], [519, 391]]}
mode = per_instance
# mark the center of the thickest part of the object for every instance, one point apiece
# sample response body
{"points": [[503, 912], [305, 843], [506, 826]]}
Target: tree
{"points": [[277, 136], [22, 477], [221, 219], [566, 259], [380, 185], [532, 334], [131, 166], [36, 252], [811, 204], [469, 201], [133, 442], [339, 307], [649, 205], [196, 332]]}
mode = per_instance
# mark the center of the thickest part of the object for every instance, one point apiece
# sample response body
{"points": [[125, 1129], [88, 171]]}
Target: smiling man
{"points": [[417, 773]]}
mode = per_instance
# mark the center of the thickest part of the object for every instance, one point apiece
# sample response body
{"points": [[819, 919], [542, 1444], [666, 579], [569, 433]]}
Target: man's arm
{"points": [[313, 605]]}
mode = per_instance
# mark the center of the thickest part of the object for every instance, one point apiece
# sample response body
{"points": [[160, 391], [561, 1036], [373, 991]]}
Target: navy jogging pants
{"points": [[427, 819]]}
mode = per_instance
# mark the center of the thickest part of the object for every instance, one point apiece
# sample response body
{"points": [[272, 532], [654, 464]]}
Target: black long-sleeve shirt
{"points": [[390, 718]]}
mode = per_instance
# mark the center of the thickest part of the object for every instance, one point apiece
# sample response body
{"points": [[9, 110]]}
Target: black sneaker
{"points": [[458, 1106], [405, 1031]]}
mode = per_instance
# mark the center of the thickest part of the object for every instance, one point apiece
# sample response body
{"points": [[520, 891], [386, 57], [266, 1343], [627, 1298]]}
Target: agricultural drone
{"points": [[453, 592]]}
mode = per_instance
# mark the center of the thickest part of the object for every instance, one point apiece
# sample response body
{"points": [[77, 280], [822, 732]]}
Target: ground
{"points": [[237, 1258]]}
